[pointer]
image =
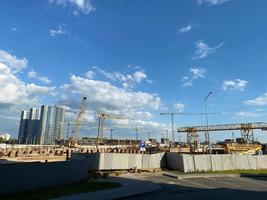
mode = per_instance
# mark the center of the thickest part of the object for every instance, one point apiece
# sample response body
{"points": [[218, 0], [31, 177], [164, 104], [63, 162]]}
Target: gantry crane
{"points": [[75, 132], [182, 113], [245, 128]]}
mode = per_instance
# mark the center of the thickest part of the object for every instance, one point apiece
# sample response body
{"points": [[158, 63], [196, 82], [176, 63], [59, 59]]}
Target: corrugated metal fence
{"points": [[30, 176], [117, 161]]}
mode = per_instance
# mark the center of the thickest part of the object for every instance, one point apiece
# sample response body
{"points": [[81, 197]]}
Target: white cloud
{"points": [[90, 74], [15, 64], [129, 81], [105, 97], [14, 29], [59, 31], [249, 114], [15, 92], [211, 2], [203, 49], [258, 101], [179, 106], [79, 6], [33, 74], [186, 28], [196, 73], [236, 84], [109, 96]]}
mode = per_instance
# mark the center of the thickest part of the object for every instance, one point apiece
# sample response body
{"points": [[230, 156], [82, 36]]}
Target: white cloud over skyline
{"points": [[236, 84], [15, 64], [204, 50], [128, 80], [78, 6], [258, 101], [195, 73], [186, 29], [211, 2], [179, 106], [33, 74], [60, 30]]}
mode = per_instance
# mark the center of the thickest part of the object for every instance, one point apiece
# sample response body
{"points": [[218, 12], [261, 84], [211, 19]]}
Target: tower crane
{"points": [[101, 117], [75, 132]]}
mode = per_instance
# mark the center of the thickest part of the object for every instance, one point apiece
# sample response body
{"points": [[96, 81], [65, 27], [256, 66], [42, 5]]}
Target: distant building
{"points": [[33, 126], [5, 136], [59, 114], [22, 128], [46, 125], [42, 127]]}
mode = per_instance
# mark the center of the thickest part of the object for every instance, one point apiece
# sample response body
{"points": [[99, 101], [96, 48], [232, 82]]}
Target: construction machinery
{"points": [[101, 117], [182, 113], [245, 145], [72, 142]]}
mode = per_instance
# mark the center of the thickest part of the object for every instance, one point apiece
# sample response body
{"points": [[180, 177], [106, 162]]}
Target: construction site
{"points": [[243, 145]]}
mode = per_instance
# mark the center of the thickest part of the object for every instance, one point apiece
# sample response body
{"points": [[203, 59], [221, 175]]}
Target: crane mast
{"points": [[79, 120]]}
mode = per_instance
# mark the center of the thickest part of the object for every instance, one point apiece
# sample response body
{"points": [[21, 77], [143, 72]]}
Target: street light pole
{"points": [[172, 122], [207, 129], [172, 127]]}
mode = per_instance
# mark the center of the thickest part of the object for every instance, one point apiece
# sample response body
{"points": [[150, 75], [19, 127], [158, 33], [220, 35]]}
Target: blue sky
{"points": [[135, 58]]}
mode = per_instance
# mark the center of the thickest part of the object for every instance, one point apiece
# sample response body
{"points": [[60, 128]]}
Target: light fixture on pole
{"points": [[207, 129]]}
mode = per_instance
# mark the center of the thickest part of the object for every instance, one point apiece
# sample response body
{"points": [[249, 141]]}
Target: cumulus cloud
{"points": [[186, 28], [90, 74], [258, 101], [60, 30], [128, 81], [78, 6], [14, 91], [106, 95], [204, 50], [196, 73], [15, 64], [211, 2], [236, 84], [179, 106], [33, 74]]}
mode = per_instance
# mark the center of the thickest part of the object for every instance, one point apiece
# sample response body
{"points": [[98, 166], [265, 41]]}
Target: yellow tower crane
{"points": [[75, 132]]}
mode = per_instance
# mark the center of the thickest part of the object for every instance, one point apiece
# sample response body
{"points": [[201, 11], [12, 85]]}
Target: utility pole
{"points": [[136, 133], [111, 133], [172, 122], [148, 135], [207, 129]]}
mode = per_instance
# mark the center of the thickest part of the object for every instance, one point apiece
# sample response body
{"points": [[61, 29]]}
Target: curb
{"points": [[200, 175]]}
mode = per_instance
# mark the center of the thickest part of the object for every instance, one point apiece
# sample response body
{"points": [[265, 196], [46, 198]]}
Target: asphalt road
{"points": [[223, 188]]}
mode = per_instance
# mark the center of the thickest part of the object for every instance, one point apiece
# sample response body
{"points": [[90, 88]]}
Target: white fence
{"points": [[116, 161], [190, 163]]}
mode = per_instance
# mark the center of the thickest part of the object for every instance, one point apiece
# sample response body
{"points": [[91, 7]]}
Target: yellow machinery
{"points": [[72, 142], [242, 148]]}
